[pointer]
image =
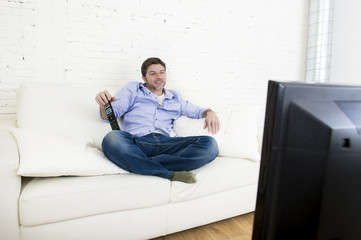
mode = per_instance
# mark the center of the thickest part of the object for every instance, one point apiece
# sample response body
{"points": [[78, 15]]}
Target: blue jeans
{"points": [[158, 155]]}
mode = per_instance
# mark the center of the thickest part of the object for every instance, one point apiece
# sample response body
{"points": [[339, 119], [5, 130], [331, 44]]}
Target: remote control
{"points": [[111, 116]]}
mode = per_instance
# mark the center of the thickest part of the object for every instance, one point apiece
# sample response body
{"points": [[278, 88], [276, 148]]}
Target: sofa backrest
{"points": [[62, 109], [71, 110]]}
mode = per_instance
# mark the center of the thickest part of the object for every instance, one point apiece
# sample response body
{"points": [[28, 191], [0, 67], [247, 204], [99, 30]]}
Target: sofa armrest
{"points": [[10, 184]]}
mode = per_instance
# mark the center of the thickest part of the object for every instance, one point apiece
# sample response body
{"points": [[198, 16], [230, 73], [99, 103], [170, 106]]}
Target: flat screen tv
{"points": [[310, 176]]}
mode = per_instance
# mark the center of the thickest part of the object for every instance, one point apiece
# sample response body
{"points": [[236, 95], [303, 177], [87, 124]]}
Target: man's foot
{"points": [[183, 176]]}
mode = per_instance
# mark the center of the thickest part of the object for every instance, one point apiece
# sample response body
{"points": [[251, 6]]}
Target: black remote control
{"points": [[111, 116]]}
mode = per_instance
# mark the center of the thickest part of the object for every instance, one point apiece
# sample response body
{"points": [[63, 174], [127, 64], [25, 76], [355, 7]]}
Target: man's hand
{"points": [[211, 122], [103, 98]]}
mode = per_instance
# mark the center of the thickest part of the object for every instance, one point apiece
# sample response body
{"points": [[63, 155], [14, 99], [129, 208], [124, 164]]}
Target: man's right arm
{"points": [[102, 98]]}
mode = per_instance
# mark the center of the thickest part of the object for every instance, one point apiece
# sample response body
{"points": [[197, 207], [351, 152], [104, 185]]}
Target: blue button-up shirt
{"points": [[142, 113]]}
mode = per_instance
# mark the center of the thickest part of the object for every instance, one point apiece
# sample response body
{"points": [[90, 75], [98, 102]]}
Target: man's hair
{"points": [[150, 61]]}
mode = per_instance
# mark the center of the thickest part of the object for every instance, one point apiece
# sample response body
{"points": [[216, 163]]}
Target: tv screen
{"points": [[310, 175]]}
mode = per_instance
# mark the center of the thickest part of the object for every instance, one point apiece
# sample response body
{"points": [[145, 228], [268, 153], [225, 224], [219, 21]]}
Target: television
{"points": [[310, 172]]}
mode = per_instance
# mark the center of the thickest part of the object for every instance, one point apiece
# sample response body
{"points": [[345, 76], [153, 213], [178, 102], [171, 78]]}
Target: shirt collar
{"points": [[167, 94], [144, 88]]}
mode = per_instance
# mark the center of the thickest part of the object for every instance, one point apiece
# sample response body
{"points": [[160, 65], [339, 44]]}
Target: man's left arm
{"points": [[211, 121], [192, 111]]}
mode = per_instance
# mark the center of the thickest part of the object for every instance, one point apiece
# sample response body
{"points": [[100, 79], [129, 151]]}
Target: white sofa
{"points": [[56, 184]]}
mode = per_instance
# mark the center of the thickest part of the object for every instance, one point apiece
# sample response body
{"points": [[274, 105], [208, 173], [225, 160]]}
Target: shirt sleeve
{"points": [[190, 110], [124, 99]]}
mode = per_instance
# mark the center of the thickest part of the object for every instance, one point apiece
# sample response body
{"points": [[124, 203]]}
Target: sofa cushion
{"points": [[47, 200], [240, 135], [185, 126], [44, 154], [223, 174], [62, 109], [238, 125]]}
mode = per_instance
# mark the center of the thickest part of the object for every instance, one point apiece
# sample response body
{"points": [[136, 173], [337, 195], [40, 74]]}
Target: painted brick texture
{"points": [[229, 48]]}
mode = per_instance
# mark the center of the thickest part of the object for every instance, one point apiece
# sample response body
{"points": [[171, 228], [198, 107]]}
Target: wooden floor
{"points": [[237, 228]]}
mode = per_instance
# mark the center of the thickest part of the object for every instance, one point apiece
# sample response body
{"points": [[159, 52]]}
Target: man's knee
{"points": [[211, 146], [109, 138], [113, 138]]}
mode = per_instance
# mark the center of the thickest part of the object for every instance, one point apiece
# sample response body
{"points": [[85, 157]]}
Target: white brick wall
{"points": [[17, 49], [228, 47]]}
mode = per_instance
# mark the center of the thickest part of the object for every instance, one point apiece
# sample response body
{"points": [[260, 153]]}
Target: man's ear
{"points": [[144, 79]]}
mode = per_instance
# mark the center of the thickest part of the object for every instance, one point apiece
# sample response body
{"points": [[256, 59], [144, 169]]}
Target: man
{"points": [[147, 143]]}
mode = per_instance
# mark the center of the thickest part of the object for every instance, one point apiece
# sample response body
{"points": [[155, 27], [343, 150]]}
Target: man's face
{"points": [[155, 78]]}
